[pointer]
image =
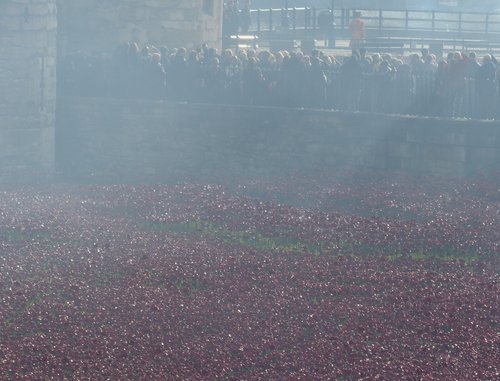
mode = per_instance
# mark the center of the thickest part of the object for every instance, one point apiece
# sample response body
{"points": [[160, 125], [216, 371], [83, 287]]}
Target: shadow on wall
{"points": [[121, 140]]}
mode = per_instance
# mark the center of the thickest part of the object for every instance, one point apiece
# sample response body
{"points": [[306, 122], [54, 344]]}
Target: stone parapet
{"points": [[123, 140]]}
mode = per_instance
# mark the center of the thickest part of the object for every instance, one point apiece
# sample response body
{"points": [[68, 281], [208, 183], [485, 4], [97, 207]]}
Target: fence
{"points": [[460, 23], [400, 92], [422, 95], [481, 29]]}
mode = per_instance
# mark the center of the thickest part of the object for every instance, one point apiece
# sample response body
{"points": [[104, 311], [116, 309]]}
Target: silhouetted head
{"points": [[181, 53], [156, 57], [133, 48]]}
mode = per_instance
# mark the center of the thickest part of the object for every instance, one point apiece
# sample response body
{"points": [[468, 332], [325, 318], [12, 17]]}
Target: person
{"points": [[177, 81], [317, 81], [252, 81], [457, 66], [430, 65], [351, 75], [416, 64], [486, 86], [294, 77], [326, 25], [404, 89], [357, 29], [365, 61], [442, 83], [471, 71], [155, 77], [472, 66]]}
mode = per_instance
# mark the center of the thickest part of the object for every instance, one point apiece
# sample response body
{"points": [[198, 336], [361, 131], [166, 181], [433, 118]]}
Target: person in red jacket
{"points": [[357, 28]]}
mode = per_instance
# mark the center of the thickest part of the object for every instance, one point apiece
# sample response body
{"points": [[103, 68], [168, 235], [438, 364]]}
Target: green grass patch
{"points": [[190, 284], [245, 238], [20, 235], [288, 244]]}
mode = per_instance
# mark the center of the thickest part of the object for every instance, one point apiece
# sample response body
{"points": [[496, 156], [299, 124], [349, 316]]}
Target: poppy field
{"points": [[355, 277]]}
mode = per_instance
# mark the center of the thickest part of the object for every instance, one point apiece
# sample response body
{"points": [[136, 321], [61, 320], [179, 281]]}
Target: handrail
{"points": [[305, 18], [376, 10]]}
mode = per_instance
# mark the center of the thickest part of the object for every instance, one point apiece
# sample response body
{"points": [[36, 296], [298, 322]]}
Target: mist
{"points": [[204, 191]]}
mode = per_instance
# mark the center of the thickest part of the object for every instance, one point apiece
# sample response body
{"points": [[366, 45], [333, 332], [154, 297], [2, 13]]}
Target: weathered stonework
{"points": [[124, 139], [28, 49], [28, 55], [120, 140], [99, 25]]}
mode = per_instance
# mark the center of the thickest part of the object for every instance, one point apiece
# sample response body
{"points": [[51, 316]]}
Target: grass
{"points": [[252, 239], [287, 244], [14, 235]]}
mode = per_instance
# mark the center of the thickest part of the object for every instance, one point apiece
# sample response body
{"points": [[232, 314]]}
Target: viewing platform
{"points": [[414, 28]]}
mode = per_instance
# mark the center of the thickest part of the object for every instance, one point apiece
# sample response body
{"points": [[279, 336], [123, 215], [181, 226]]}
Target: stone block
{"points": [[445, 136], [488, 136], [399, 149], [415, 135], [448, 153], [375, 161], [480, 159]]}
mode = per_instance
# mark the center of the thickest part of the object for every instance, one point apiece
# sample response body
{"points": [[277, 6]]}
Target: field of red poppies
{"points": [[356, 276]]}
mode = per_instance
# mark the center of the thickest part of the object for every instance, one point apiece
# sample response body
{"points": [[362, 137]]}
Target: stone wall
{"points": [[122, 140], [28, 48], [99, 25]]}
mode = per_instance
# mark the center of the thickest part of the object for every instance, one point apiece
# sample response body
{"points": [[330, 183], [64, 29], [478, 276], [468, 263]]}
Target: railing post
{"points": [[460, 22], [406, 21], [294, 18], [307, 18], [486, 23], [315, 19], [270, 19], [433, 22]]}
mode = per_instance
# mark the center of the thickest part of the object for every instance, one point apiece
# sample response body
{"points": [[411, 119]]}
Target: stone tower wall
{"points": [[28, 49], [98, 25]]}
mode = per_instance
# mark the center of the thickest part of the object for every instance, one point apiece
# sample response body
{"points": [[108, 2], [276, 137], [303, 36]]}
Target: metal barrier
{"points": [[332, 87], [302, 23], [422, 95]]}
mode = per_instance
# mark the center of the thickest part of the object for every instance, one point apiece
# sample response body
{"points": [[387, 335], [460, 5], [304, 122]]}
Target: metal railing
{"points": [[407, 23], [423, 94], [410, 94]]}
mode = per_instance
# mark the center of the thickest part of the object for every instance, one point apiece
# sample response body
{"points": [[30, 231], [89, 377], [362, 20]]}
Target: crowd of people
{"points": [[459, 85]]}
